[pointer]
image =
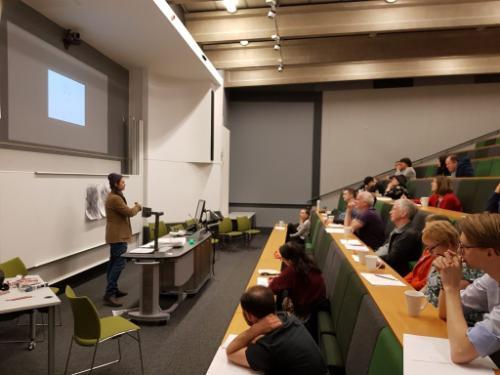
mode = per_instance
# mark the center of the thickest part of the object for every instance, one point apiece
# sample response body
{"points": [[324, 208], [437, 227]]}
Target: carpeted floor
{"points": [[186, 345]]}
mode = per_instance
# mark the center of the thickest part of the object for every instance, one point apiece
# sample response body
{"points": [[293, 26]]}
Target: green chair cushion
{"points": [[232, 234], [325, 323], [253, 231], [110, 326], [331, 352]]}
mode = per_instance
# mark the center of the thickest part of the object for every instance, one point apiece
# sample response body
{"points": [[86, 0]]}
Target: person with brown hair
{"points": [[479, 247], [442, 195]]}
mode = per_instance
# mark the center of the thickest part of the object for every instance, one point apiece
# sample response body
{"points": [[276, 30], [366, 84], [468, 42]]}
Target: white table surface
{"points": [[42, 297]]}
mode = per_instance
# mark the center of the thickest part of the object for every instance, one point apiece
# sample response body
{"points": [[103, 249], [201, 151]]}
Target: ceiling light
{"points": [[271, 14], [277, 47], [271, 2], [230, 5], [390, 1], [275, 37], [244, 43], [280, 68]]}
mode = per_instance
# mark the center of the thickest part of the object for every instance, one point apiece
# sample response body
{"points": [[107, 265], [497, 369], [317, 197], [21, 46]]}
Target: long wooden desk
{"points": [[266, 260]]}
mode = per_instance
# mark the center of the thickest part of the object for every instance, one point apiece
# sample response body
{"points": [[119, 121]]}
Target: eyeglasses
{"points": [[462, 247], [431, 248]]}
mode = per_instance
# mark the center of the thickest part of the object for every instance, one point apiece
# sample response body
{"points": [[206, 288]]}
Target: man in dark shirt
{"points": [[368, 224], [275, 343], [404, 243], [459, 168]]}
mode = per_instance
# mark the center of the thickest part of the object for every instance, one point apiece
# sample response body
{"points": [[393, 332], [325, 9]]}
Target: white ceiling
{"points": [[134, 33]]}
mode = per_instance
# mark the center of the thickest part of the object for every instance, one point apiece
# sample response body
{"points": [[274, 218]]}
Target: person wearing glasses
{"points": [[438, 237], [479, 247]]}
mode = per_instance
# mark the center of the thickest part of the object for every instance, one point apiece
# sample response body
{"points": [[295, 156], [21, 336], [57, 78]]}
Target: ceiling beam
{"points": [[357, 48], [320, 20], [349, 71]]}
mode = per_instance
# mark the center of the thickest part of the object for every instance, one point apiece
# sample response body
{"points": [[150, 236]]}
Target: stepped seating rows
{"points": [[354, 338], [483, 167]]}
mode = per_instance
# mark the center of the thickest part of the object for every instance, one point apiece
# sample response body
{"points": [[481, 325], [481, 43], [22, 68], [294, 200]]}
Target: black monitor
{"points": [[200, 209]]}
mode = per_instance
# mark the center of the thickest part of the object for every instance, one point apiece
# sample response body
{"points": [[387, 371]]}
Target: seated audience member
{"points": [[404, 244], [348, 195], [303, 281], [369, 185], [396, 187], [441, 167], [459, 168], [299, 232], [442, 195], [418, 276], [493, 205], [404, 168], [368, 224], [479, 247], [275, 343]]}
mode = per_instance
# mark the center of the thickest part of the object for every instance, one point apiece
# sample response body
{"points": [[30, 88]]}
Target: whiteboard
{"points": [[42, 217]]}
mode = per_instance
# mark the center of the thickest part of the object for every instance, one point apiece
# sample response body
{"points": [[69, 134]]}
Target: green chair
{"points": [[483, 168], [388, 355], [162, 230], [495, 168], [314, 232], [245, 226], [226, 230], [90, 330], [176, 227]]}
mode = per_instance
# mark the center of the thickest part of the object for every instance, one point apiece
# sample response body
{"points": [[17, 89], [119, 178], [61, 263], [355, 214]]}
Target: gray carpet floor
{"points": [[186, 345]]}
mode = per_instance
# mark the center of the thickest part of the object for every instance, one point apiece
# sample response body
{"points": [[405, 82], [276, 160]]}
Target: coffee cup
{"points": [[424, 201], [362, 257], [281, 223], [414, 301], [371, 262]]}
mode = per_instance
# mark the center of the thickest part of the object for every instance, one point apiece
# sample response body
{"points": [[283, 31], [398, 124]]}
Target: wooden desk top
{"points": [[455, 215], [266, 260]]}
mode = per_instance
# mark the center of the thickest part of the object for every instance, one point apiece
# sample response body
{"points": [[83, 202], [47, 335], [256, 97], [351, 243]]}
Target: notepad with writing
{"points": [[334, 230], [382, 279], [221, 366], [431, 355], [356, 247]]}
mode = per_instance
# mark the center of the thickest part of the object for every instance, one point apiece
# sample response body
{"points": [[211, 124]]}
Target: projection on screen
{"points": [[66, 99]]}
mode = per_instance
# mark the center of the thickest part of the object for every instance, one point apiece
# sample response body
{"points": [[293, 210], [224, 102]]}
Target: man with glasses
{"points": [[480, 248]]}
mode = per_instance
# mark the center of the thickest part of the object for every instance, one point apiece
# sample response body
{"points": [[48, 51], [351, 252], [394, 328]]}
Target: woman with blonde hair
{"points": [[443, 196]]}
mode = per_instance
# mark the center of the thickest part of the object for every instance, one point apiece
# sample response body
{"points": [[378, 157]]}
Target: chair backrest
{"points": [[483, 168], [495, 168], [162, 230], [225, 225], [86, 320], [13, 267], [388, 355], [321, 252], [243, 223], [190, 222]]}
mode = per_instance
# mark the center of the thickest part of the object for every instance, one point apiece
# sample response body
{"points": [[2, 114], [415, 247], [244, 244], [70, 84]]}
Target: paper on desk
{"points": [[431, 355], [264, 281], [142, 250], [356, 247], [356, 258], [334, 230], [332, 225], [352, 241], [172, 240], [382, 279], [221, 366], [279, 228]]}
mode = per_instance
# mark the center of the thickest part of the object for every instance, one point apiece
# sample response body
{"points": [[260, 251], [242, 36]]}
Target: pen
{"points": [[385, 277], [18, 298]]}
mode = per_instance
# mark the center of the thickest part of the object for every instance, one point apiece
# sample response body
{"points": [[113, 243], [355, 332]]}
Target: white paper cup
{"points": [[362, 257], [371, 262], [415, 302], [281, 223], [424, 201]]}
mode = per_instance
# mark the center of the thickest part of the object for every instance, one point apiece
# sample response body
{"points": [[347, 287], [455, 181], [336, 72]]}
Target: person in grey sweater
{"points": [[299, 232], [404, 167]]}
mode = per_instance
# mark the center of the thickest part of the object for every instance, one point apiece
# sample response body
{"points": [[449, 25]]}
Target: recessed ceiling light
{"points": [[390, 1], [244, 43], [230, 6], [277, 47]]}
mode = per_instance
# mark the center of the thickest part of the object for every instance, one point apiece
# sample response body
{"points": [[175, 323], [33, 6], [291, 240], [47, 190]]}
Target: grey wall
{"points": [[117, 87]]}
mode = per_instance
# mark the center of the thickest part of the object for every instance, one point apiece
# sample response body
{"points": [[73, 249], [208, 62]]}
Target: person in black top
{"points": [[459, 167], [493, 205], [275, 343]]}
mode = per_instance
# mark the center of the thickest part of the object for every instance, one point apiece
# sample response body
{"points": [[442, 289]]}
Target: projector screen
{"points": [[53, 98], [66, 99]]}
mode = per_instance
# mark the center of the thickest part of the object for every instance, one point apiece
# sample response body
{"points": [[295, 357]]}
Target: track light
{"points": [[390, 1], [271, 2], [244, 43], [230, 5], [272, 13], [280, 68], [277, 47], [275, 37]]}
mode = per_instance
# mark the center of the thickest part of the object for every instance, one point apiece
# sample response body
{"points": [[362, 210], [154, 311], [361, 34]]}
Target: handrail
{"points": [[416, 162]]}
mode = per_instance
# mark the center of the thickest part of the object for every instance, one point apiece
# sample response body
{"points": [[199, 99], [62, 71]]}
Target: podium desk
{"points": [[179, 271]]}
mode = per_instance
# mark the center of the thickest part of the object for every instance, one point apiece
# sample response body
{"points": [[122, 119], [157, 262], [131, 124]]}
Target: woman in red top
{"points": [[303, 281], [443, 196], [438, 236]]}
